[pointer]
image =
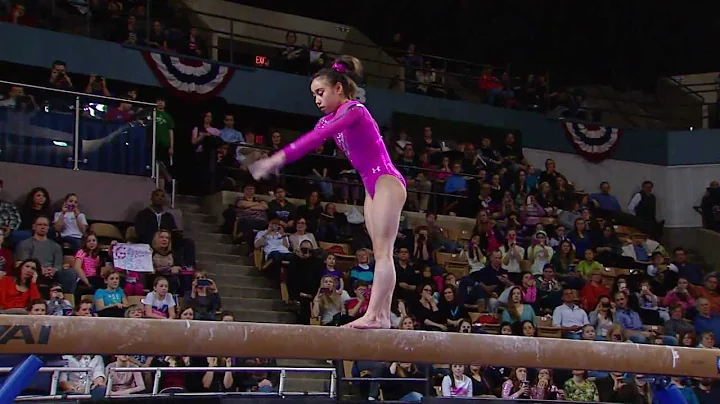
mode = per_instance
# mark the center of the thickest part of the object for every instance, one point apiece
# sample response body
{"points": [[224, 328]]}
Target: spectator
{"points": [[74, 383], [251, 213], [111, 301], [302, 277], [70, 223], [648, 302], [274, 242], [124, 383], [229, 134], [457, 383], [363, 271], [58, 76], [316, 55], [84, 308], [539, 253], [706, 392], [421, 247], [709, 290], [6, 260], [593, 290], [400, 391], [564, 258], [357, 306], [512, 254], [19, 288], [529, 288], [544, 388], [17, 99], [707, 340], [121, 114], [550, 175], [168, 261], [677, 325], [531, 211], [426, 309], [203, 297], [37, 307], [218, 381], [187, 314], [588, 265], [608, 247], [409, 165], [549, 291], [192, 45], [486, 284], [631, 323], [87, 263], [706, 320], [311, 211], [407, 278], [603, 317], [58, 305], [453, 311], [164, 132], [580, 237], [97, 85], [475, 257], [516, 310], [281, 209], [604, 200], [679, 295], [134, 311], [686, 269], [153, 218], [327, 305], [37, 203], [159, 303], [517, 386], [617, 388], [157, 37], [491, 237], [49, 254], [579, 388], [569, 317], [301, 234]]}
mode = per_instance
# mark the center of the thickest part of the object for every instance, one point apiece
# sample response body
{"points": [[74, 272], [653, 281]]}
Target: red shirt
{"points": [[11, 298], [590, 295], [5, 260]]}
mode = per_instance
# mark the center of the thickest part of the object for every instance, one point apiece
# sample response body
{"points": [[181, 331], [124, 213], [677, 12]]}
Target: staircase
{"points": [[245, 291]]}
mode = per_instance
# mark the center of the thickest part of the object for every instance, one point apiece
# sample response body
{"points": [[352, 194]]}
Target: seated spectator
{"points": [[485, 284], [603, 317], [706, 320], [251, 213], [544, 388], [327, 305], [593, 290], [608, 248], [539, 253], [301, 234], [604, 200], [661, 271], [648, 301], [58, 305], [677, 325], [680, 295], [457, 383], [49, 254], [686, 269], [588, 265], [474, 255], [569, 317], [709, 290], [203, 297], [282, 209], [641, 249], [274, 243], [70, 223], [37, 203], [426, 309], [87, 263], [529, 289], [85, 308], [407, 278], [631, 323], [19, 287], [37, 307], [74, 383], [111, 301], [580, 237], [549, 290], [6, 260], [400, 391], [172, 382], [124, 383], [187, 314], [332, 224], [168, 262], [135, 311], [531, 212], [363, 271], [453, 311], [218, 382], [258, 381], [564, 258], [311, 211], [155, 218], [579, 388], [159, 303], [357, 306], [616, 388], [517, 311], [707, 340], [517, 386]]}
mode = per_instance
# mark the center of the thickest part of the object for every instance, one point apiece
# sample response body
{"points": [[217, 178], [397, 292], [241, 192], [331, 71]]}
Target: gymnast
{"points": [[356, 133]]}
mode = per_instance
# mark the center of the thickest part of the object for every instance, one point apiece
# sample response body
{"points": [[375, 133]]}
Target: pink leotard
{"points": [[357, 135]]}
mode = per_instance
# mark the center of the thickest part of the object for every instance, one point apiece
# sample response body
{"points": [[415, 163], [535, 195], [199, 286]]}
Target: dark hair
{"points": [[226, 313], [29, 201], [91, 253], [36, 301], [69, 195], [347, 80], [17, 271], [59, 63], [647, 183], [86, 300]]}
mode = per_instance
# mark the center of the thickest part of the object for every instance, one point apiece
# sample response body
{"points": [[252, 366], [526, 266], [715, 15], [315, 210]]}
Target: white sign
{"points": [[133, 257]]}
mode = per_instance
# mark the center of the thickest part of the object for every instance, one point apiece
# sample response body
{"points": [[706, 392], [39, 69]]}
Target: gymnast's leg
{"points": [[382, 217]]}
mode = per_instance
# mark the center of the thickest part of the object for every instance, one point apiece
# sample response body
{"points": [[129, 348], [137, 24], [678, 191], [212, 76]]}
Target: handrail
{"points": [[77, 93], [55, 380], [687, 88]]}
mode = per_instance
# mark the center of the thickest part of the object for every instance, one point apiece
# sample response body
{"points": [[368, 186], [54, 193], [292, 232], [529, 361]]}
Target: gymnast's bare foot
{"points": [[369, 323]]}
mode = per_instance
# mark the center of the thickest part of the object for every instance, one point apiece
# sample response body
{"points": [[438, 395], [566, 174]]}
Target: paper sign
{"points": [[133, 257]]}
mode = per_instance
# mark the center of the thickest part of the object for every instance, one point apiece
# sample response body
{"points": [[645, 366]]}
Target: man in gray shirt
{"points": [[50, 255]]}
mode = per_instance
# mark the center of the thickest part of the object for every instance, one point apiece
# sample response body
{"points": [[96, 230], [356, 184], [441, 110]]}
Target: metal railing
{"points": [[156, 392], [76, 109]]}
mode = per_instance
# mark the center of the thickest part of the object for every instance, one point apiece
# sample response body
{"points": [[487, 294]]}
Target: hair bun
{"points": [[352, 64]]}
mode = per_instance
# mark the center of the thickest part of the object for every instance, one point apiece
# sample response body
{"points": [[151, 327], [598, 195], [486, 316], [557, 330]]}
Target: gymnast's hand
{"points": [[263, 168]]}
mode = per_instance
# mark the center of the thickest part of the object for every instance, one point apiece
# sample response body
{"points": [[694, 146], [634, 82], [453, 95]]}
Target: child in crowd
{"points": [[331, 271], [159, 303], [134, 311], [707, 340], [111, 301], [58, 305], [588, 264], [37, 307]]}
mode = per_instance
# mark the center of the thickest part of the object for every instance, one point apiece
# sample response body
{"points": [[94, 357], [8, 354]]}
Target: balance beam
{"points": [[107, 336]]}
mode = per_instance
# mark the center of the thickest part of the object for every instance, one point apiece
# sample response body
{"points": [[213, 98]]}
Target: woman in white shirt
{"points": [[473, 254], [540, 253], [301, 234], [457, 384], [512, 253], [70, 223]]}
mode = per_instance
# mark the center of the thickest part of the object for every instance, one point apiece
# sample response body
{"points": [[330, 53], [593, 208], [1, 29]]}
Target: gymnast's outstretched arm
{"points": [[316, 137]]}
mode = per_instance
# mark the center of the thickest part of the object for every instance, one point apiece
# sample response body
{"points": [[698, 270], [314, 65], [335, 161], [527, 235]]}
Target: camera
{"points": [[606, 305], [421, 237], [325, 291], [204, 282], [305, 251]]}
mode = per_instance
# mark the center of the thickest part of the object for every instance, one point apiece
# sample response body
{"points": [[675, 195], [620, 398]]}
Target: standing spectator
{"points": [[70, 223], [153, 218], [282, 209], [644, 206], [164, 132], [569, 317], [124, 383], [121, 114], [159, 303], [49, 254], [6, 260], [229, 134], [74, 383], [18, 289]]}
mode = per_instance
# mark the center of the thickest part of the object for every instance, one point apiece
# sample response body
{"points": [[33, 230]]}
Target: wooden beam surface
{"points": [[107, 336]]}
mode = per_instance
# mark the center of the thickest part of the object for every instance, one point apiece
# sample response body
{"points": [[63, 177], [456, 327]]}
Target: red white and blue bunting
{"points": [[594, 143], [190, 79]]}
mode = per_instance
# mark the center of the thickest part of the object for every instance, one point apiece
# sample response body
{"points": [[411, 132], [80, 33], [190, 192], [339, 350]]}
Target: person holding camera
{"points": [[518, 386], [70, 223], [18, 99], [203, 297], [275, 244], [303, 275], [58, 76], [357, 306], [97, 85], [680, 295], [421, 246], [327, 305]]}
